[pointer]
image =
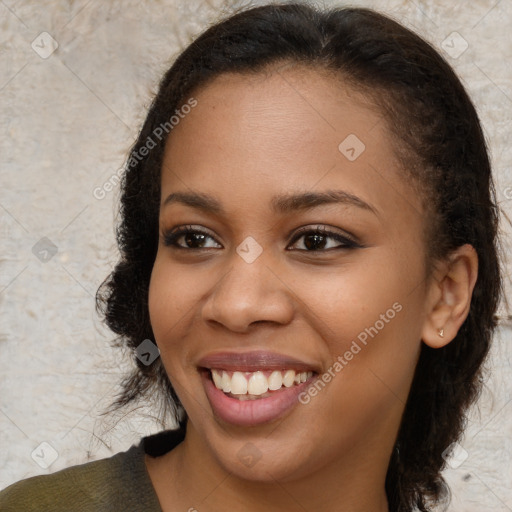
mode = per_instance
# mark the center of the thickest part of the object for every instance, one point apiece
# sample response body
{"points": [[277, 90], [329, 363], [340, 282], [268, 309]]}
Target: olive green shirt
{"points": [[117, 483]]}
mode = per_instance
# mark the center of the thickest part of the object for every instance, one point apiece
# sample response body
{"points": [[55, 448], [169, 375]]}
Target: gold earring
{"points": [[441, 333]]}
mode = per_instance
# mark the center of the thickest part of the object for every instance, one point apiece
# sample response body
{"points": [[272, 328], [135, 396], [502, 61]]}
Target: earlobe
{"points": [[450, 296]]}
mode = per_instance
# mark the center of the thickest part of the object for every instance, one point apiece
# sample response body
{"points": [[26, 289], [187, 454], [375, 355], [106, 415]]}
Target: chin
{"points": [[276, 451]]}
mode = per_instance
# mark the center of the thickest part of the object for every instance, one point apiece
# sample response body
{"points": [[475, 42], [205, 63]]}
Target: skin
{"points": [[248, 139]]}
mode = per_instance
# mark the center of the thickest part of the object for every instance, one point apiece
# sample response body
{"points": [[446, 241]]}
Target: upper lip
{"points": [[253, 361]]}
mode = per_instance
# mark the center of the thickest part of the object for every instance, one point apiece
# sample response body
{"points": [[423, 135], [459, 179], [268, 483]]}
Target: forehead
{"points": [[299, 104], [290, 128]]}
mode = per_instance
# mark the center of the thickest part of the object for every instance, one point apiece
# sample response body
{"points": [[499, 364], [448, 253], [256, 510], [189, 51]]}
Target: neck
{"points": [[190, 477]]}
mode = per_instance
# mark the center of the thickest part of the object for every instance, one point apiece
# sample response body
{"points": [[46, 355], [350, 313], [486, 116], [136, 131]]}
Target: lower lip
{"points": [[249, 413]]}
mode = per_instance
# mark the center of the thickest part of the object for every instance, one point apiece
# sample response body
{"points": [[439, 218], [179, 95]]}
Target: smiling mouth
{"points": [[256, 385]]}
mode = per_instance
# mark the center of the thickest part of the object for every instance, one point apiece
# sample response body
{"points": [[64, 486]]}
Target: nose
{"points": [[249, 293]]}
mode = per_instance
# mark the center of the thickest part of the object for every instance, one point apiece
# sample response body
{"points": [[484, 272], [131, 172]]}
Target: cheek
{"points": [[164, 286], [369, 318], [347, 300], [167, 304], [172, 293], [176, 293]]}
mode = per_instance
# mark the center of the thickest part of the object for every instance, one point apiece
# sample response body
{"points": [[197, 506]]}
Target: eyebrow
{"points": [[281, 204]]}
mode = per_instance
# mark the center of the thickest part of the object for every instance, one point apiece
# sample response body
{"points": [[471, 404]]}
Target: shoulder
{"points": [[107, 484]]}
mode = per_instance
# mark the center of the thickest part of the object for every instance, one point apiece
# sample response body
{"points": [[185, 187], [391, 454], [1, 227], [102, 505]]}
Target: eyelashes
{"points": [[171, 238], [314, 238], [322, 232]]}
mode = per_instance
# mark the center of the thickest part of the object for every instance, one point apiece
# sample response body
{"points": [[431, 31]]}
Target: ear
{"points": [[449, 296]]}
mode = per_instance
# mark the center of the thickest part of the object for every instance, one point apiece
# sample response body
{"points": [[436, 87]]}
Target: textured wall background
{"points": [[68, 119]]}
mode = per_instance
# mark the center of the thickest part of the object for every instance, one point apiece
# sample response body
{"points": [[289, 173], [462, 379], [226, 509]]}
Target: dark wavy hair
{"points": [[438, 139]]}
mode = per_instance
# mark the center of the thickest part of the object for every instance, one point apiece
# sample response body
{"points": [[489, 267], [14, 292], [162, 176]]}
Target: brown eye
{"points": [[193, 238], [317, 240]]}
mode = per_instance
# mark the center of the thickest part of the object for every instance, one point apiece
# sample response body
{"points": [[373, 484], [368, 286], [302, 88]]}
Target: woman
{"points": [[308, 236]]}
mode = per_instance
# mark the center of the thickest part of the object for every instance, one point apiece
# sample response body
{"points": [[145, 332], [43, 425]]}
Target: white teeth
{"points": [[275, 381], [258, 384], [225, 382], [217, 379], [249, 385], [238, 384], [288, 378]]}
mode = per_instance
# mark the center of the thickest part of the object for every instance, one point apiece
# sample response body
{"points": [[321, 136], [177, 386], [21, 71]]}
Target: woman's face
{"points": [[304, 252]]}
